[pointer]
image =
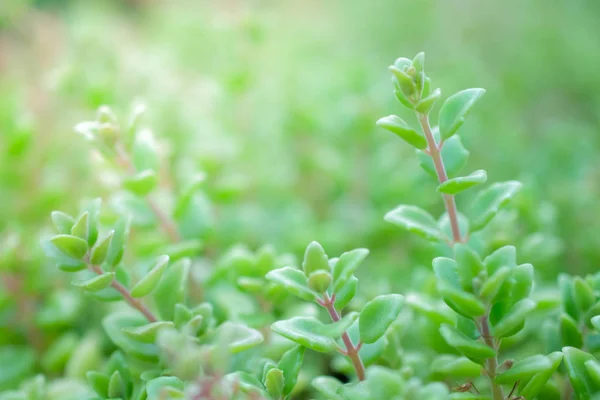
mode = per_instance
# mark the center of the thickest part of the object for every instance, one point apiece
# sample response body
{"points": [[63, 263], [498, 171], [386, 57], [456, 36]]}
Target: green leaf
{"points": [[569, 332], [489, 201], [319, 281], [593, 369], [315, 259], [462, 302], [448, 365], [327, 386], [346, 265], [172, 288], [147, 333], [294, 281], [290, 364], [503, 257], [346, 293], [524, 369], [396, 125], [116, 248], [468, 265], [149, 282], [96, 283], [582, 382], [514, 319], [80, 228], [115, 323], [455, 109], [306, 331], [454, 155], [116, 386], [187, 248], [142, 183], [93, 210], [405, 82], [446, 271], [145, 152], [472, 349], [70, 245], [596, 322], [100, 251], [16, 363], [536, 384], [383, 383], [491, 287], [62, 222], [99, 382], [584, 295], [523, 281], [63, 261], [156, 388], [426, 104], [416, 220], [567, 291], [377, 315], [274, 382], [238, 336], [460, 184]]}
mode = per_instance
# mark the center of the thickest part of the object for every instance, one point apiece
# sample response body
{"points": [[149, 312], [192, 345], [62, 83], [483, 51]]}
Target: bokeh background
{"points": [[276, 102]]}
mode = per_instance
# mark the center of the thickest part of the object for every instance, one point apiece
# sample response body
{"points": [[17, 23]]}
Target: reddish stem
{"points": [[434, 150], [351, 350]]}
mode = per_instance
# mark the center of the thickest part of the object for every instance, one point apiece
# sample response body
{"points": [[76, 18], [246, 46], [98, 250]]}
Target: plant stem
{"points": [[167, 225], [436, 156], [351, 350], [135, 303], [491, 363]]}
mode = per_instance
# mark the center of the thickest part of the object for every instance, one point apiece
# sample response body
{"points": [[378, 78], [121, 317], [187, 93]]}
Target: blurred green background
{"points": [[276, 101]]}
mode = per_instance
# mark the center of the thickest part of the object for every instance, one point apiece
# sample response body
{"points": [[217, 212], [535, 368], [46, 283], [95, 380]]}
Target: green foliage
{"points": [[192, 277]]}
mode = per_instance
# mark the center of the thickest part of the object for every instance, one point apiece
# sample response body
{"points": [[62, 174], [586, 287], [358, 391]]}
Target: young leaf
{"points": [[327, 386], [80, 228], [239, 337], [115, 323], [584, 295], [70, 245], [96, 283], [305, 331], [290, 364], [468, 265], [151, 279], [116, 386], [157, 388], [536, 384], [396, 125], [100, 251], [455, 109], [523, 281], [377, 315], [383, 383], [147, 333], [416, 220], [493, 284], [172, 288], [62, 222], [581, 380], [524, 369], [425, 105], [142, 183], [460, 184], [346, 293], [472, 349], [319, 281], [63, 261], [569, 332], [489, 201], [315, 259], [513, 319], [294, 281], [346, 265], [448, 365], [99, 382], [274, 382]]}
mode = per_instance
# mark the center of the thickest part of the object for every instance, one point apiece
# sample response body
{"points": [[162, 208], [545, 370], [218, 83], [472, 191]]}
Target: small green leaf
{"points": [[290, 364], [116, 248], [100, 251], [99, 382], [524, 369], [405, 82], [70, 245], [315, 259], [327, 386], [462, 302], [383, 383], [186, 248], [583, 384], [425, 105], [489, 201], [63, 261], [294, 281], [513, 319], [448, 365], [523, 281], [142, 183], [455, 109], [147, 333], [172, 288], [454, 154], [460, 184], [396, 125], [149, 282], [274, 382], [93, 210], [536, 384], [319, 281], [305, 331], [115, 323], [62, 222], [503, 257], [416, 220], [593, 369], [468, 265], [377, 315], [472, 349], [16, 363], [116, 386], [344, 295], [238, 336], [157, 388], [569, 332], [80, 228], [493, 284], [96, 283], [567, 291], [346, 265], [584, 295]]}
